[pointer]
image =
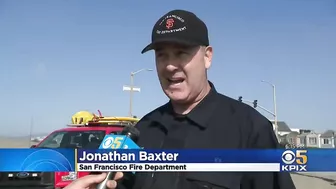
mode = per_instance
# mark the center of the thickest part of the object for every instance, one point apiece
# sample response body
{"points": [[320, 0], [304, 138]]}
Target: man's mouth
{"points": [[175, 81]]}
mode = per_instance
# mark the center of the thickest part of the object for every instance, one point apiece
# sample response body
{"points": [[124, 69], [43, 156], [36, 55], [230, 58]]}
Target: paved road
{"points": [[314, 180]]}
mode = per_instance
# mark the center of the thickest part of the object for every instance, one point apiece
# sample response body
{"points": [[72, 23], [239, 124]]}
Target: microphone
{"points": [[129, 132]]}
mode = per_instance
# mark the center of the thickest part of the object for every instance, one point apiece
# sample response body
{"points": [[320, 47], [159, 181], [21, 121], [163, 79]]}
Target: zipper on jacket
{"points": [[153, 174], [177, 181]]}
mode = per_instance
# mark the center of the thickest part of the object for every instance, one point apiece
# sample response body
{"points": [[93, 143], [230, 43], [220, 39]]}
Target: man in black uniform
{"points": [[197, 116]]}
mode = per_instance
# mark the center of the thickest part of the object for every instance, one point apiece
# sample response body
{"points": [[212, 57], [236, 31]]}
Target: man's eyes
{"points": [[182, 53], [179, 53]]}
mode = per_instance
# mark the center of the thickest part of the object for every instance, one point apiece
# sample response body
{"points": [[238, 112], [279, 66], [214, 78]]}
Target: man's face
{"points": [[182, 70]]}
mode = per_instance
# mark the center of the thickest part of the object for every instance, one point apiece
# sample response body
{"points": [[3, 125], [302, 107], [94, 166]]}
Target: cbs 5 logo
{"points": [[113, 142], [300, 157]]}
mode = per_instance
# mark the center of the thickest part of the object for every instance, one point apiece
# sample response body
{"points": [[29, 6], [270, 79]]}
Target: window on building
{"points": [[326, 141], [312, 140], [301, 140]]}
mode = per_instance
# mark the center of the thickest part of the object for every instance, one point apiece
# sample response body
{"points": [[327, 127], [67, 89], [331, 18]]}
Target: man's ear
{"points": [[208, 56]]}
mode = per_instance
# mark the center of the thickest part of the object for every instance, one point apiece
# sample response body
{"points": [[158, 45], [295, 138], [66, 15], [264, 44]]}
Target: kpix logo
{"points": [[299, 159]]}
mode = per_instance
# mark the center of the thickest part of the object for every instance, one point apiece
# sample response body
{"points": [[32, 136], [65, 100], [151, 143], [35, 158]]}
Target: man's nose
{"points": [[171, 67], [173, 64]]}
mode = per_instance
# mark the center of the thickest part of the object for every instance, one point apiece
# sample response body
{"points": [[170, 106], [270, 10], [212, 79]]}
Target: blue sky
{"points": [[59, 57]]}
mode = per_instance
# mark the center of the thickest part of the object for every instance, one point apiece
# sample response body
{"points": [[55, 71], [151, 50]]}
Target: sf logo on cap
{"points": [[169, 23]]}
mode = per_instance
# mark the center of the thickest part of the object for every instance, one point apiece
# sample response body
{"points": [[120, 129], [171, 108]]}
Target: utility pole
{"points": [[31, 130], [275, 107], [131, 88], [131, 95]]}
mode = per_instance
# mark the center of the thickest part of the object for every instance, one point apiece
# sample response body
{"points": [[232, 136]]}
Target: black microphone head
{"points": [[131, 132]]}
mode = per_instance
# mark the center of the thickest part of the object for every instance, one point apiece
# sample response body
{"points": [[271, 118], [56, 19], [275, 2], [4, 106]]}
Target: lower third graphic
{"points": [[47, 160]]}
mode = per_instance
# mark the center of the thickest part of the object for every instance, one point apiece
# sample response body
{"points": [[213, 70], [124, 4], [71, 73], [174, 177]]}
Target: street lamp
{"points": [[275, 106], [132, 88]]}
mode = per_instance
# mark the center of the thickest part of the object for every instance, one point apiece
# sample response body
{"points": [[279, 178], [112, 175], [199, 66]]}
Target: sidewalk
{"points": [[326, 176], [303, 181]]}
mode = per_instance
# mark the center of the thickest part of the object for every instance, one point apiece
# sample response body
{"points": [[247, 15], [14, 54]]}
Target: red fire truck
{"points": [[87, 131]]}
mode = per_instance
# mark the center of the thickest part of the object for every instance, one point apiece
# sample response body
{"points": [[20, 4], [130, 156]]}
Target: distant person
{"points": [[196, 117]]}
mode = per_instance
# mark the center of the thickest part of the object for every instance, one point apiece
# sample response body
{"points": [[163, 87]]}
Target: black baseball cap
{"points": [[179, 26]]}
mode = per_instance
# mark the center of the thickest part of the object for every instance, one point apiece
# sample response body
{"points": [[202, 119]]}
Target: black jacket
{"points": [[218, 122]]}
